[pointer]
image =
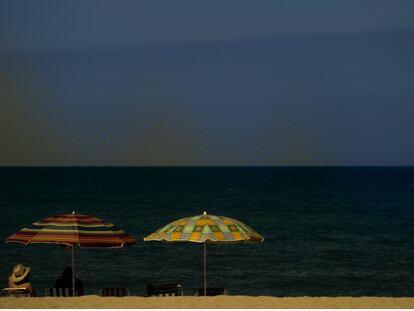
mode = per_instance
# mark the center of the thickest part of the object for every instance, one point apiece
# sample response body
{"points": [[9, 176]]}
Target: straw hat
{"points": [[20, 272]]}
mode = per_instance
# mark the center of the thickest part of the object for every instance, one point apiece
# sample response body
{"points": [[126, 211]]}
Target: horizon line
{"points": [[203, 166]]}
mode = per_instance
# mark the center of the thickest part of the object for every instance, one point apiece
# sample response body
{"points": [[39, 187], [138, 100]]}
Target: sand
{"points": [[188, 302]]}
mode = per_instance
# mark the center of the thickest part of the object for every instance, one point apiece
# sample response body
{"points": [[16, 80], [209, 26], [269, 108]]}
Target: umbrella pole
{"points": [[205, 269], [73, 269]]}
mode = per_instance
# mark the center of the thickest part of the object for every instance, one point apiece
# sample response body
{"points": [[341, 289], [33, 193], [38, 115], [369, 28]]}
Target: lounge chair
{"points": [[113, 292], [59, 292], [164, 289], [212, 291], [15, 292]]}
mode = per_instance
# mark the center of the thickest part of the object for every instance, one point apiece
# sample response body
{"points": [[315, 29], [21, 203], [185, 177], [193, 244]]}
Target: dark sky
{"points": [[207, 82], [78, 24]]}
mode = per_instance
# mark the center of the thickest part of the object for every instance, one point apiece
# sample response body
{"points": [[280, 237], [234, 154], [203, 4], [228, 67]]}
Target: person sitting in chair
{"points": [[65, 281], [19, 279]]}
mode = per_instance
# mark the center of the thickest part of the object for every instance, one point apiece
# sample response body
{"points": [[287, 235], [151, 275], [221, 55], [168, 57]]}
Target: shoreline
{"points": [[191, 302]]}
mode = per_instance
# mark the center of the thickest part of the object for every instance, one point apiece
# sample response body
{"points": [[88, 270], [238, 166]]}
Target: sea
{"points": [[329, 231]]}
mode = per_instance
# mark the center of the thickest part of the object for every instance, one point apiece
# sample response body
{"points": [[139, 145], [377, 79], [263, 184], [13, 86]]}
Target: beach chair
{"points": [[212, 291], [164, 289], [15, 292], [59, 292], [113, 292]]}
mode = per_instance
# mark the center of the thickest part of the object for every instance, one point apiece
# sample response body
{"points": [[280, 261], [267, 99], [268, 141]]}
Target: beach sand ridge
{"points": [[189, 302]]}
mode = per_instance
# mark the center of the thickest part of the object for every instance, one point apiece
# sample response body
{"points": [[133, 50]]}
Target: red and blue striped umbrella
{"points": [[73, 229]]}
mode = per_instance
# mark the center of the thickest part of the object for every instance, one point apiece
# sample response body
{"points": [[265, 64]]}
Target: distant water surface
{"points": [[328, 231]]}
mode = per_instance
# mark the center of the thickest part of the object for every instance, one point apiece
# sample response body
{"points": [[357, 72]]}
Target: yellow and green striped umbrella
{"points": [[206, 228]]}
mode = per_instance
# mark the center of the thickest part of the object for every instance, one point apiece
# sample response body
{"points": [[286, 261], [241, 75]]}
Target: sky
{"points": [[26, 25], [206, 82]]}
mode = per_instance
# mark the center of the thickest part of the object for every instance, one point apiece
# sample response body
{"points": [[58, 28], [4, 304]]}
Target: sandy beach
{"points": [[225, 302]]}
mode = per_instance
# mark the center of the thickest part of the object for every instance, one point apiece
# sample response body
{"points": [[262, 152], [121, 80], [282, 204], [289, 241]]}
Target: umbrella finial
{"points": [[204, 213]]}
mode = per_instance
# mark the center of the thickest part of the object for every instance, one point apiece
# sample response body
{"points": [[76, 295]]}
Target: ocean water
{"points": [[329, 231]]}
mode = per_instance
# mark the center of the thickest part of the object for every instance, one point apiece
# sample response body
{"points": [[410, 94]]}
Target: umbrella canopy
{"points": [[206, 228], [73, 229]]}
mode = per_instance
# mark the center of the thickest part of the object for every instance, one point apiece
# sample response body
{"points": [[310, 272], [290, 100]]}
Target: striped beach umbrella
{"points": [[73, 230], [205, 229]]}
